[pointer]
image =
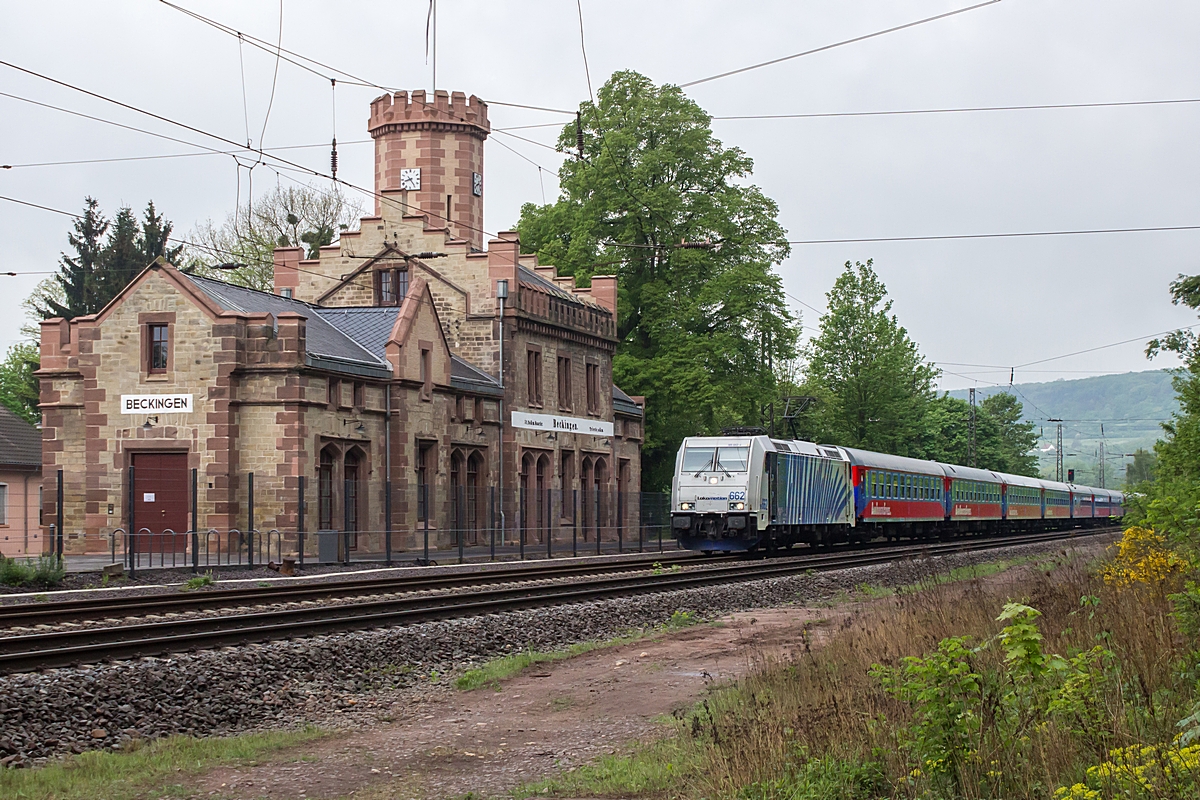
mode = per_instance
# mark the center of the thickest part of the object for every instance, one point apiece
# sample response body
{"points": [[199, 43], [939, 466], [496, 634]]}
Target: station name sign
{"points": [[549, 422], [156, 404]]}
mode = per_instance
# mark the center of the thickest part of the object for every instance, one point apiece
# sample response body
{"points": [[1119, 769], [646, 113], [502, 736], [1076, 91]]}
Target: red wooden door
{"points": [[160, 500]]}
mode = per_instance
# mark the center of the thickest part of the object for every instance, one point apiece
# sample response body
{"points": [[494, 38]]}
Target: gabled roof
{"points": [[333, 334], [370, 327], [20, 442]]}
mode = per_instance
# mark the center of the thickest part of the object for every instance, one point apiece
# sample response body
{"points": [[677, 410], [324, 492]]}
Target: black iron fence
{"points": [[415, 523]]}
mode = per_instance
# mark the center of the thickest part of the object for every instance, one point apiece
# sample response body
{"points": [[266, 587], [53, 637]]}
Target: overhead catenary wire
{"points": [[959, 110], [842, 43], [274, 78], [306, 170]]}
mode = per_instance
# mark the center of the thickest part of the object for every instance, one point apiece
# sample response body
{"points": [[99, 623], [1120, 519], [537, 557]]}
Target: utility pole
{"points": [[1058, 453], [1102, 469], [971, 445]]}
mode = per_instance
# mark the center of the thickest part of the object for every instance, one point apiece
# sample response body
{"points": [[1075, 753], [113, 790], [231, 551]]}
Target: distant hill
{"points": [[1130, 407]]}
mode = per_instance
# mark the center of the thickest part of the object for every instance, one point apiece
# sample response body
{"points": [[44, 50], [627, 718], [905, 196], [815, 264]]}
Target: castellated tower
{"points": [[431, 154]]}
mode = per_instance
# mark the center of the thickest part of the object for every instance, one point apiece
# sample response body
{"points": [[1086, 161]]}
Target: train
{"points": [[743, 493]]}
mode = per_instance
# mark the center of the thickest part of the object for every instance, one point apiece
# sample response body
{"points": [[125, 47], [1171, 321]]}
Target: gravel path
{"points": [[318, 679]]}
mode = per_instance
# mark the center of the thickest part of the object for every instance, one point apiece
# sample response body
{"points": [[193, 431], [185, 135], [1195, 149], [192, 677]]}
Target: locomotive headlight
{"points": [[738, 506], [686, 506]]}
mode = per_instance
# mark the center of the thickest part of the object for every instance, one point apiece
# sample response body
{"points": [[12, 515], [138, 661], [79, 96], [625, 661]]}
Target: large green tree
{"points": [[1171, 502], [1015, 436], [875, 385], [1002, 438], [18, 387], [660, 202]]}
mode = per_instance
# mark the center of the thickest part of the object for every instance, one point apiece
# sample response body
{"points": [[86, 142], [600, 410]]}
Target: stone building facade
{"points": [[369, 384]]}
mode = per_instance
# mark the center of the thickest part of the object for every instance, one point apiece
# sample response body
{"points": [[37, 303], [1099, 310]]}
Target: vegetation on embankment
{"points": [[1068, 680], [144, 769]]}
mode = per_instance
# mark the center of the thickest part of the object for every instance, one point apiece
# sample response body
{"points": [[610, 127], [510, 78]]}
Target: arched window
{"points": [[458, 494], [600, 476], [587, 496], [527, 469], [475, 497], [352, 471], [325, 488], [542, 490]]}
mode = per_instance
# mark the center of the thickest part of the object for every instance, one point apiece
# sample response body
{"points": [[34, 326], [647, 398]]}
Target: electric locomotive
{"points": [[741, 492]]}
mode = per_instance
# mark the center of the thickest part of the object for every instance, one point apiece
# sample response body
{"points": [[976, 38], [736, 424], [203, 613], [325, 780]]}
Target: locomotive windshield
{"points": [[714, 459]]}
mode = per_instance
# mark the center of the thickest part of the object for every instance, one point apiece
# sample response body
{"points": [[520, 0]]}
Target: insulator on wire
{"points": [[333, 159], [579, 135]]}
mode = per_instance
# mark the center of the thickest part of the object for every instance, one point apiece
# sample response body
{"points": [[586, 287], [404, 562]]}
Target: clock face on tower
{"points": [[476, 184], [410, 179]]}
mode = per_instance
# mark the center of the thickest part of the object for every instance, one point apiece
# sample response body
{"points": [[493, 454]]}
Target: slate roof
{"points": [[20, 442], [369, 327], [624, 403], [466, 376], [531, 278], [334, 341]]}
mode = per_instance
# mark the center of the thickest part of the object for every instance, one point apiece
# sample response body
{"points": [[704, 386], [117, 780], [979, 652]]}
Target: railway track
{"points": [[27, 615], [26, 652]]}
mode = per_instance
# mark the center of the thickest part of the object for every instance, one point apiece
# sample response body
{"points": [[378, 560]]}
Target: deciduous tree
{"points": [[878, 386], [302, 216], [660, 202], [18, 387]]}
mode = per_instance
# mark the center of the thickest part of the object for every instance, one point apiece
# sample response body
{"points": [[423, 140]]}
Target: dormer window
{"points": [[391, 286]]}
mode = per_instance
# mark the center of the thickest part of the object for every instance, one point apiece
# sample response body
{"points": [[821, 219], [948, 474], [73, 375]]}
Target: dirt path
{"points": [[443, 743]]}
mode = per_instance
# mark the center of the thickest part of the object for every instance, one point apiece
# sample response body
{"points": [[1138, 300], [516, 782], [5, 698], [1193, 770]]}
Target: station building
{"points": [[388, 363]]}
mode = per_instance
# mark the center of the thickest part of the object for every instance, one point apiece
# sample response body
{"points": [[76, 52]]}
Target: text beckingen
{"points": [[548, 422], [156, 404]]}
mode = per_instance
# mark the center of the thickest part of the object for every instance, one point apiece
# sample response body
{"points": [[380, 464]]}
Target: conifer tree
{"points": [[79, 274]]}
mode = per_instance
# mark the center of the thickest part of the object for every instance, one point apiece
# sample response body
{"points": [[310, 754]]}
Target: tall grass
{"points": [[824, 703], [1042, 706]]}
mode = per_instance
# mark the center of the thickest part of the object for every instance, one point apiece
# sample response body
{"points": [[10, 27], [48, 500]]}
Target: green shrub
{"points": [[826, 778], [199, 582], [44, 571]]}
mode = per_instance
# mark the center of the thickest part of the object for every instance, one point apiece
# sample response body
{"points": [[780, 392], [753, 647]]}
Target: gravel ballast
{"points": [[291, 682]]}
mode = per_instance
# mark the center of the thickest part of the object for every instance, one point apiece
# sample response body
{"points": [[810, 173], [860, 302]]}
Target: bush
{"points": [[45, 571], [822, 779], [199, 582]]}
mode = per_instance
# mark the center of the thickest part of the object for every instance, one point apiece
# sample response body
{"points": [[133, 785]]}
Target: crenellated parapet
{"points": [[404, 111]]}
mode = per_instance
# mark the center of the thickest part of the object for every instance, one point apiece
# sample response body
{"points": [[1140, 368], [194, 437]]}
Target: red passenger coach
{"points": [[1108, 503], [973, 494], [896, 489], [1082, 503], [1022, 497], [1058, 499]]}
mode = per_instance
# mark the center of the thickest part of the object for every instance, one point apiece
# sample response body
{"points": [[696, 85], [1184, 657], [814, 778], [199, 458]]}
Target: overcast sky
{"points": [[990, 302]]}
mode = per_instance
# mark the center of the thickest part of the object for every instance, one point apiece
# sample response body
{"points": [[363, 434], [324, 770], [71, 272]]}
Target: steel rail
{"points": [[28, 614], [88, 645]]}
